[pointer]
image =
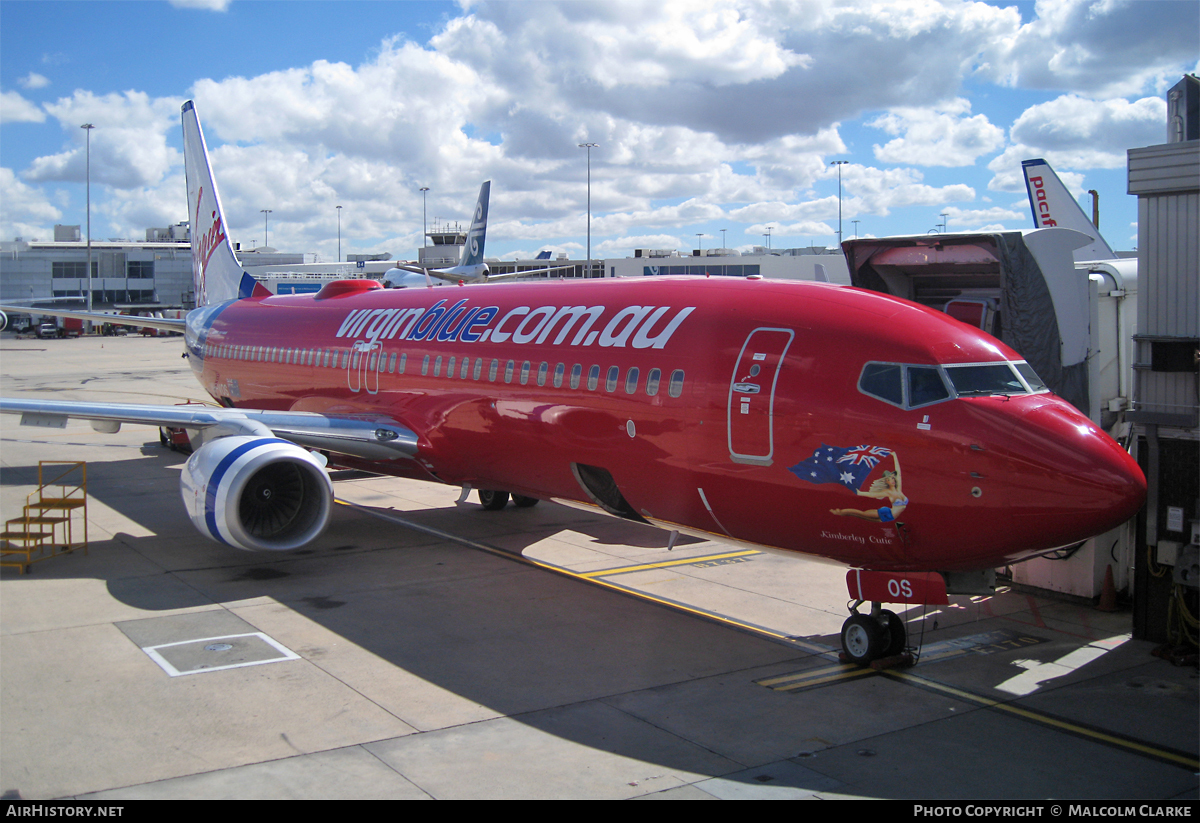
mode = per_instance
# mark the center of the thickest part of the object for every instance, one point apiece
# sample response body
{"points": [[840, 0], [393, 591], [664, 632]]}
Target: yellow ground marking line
{"points": [[594, 580], [816, 677], [665, 564], [1184, 760]]}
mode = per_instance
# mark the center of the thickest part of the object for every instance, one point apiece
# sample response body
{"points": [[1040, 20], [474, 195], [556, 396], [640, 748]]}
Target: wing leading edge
{"points": [[365, 437]]}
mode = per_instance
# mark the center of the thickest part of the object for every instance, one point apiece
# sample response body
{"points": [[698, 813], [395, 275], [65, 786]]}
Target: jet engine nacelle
{"points": [[257, 493]]}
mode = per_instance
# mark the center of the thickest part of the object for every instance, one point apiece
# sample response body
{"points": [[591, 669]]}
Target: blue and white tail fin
{"points": [[472, 254], [216, 274], [1053, 205]]}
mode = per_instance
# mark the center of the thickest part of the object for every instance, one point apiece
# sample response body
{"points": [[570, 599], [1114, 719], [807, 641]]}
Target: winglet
{"points": [[216, 274]]}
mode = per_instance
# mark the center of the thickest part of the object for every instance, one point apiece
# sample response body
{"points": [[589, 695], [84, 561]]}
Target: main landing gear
{"points": [[494, 501], [875, 636]]}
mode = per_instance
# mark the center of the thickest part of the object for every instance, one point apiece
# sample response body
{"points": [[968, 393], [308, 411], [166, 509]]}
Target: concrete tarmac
{"points": [[428, 649]]}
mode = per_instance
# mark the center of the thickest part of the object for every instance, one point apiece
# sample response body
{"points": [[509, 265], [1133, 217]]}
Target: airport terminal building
{"points": [[126, 274]]}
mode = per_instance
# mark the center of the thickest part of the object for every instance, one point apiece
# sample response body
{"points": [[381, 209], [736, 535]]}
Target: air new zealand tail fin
{"points": [[216, 274], [472, 254]]}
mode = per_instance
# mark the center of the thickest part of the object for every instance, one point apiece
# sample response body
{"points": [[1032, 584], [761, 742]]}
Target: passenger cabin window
{"points": [[676, 386], [593, 378], [576, 371], [652, 380], [614, 374]]}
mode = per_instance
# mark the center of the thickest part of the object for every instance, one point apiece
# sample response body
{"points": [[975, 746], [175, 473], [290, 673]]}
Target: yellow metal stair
{"points": [[46, 527]]}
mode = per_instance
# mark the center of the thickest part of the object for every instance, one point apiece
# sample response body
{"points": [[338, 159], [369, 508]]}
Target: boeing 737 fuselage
{"points": [[802, 417]]}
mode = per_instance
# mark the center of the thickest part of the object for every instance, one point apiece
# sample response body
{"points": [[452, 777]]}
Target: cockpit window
{"points": [[903, 385], [984, 379], [883, 380], [912, 386], [1035, 383], [925, 386]]}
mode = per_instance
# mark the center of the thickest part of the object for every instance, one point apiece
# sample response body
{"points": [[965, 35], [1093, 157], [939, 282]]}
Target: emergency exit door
{"points": [[752, 396]]}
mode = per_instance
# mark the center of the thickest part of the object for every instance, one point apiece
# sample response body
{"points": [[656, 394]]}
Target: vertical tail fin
{"points": [[472, 254], [216, 274], [1053, 205]]}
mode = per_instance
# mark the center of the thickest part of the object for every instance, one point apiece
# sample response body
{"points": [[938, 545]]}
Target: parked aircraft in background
{"points": [[1054, 205], [798, 417], [470, 268]]}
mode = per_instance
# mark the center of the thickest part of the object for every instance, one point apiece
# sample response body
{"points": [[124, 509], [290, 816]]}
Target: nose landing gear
{"points": [[880, 635]]}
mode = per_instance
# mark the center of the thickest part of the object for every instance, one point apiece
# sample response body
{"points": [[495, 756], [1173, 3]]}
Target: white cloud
{"points": [[1101, 47], [206, 5], [33, 80], [725, 111], [128, 144], [1097, 132], [16, 109], [942, 135], [24, 210], [993, 219], [1072, 132]]}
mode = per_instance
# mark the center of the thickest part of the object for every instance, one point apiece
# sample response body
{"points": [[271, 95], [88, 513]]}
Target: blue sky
{"points": [[709, 116]]}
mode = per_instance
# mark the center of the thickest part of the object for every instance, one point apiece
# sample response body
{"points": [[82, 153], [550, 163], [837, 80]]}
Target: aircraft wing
{"points": [[371, 438], [539, 270], [161, 323]]}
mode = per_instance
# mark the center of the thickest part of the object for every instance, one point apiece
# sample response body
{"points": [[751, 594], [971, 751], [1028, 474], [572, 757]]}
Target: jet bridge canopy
{"points": [[1041, 301]]}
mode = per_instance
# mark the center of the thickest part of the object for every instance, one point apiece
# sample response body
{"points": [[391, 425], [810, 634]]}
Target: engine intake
{"points": [[257, 493]]}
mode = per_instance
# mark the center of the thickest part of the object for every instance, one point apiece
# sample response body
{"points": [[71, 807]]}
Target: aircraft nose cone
{"points": [[1080, 482]]}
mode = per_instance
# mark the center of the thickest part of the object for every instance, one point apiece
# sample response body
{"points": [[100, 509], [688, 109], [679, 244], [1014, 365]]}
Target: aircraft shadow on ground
{"points": [[561, 656], [553, 652]]}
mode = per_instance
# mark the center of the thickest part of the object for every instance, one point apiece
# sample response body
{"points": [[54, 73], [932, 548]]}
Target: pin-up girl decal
{"points": [[883, 488], [852, 468]]}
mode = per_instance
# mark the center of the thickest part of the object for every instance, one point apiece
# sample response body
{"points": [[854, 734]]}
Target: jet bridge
{"points": [[1020, 286], [1073, 322]]}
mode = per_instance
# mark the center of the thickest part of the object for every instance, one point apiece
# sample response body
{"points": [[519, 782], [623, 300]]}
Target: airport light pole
{"points": [[589, 147], [723, 246], [699, 242], [839, 164], [424, 219], [855, 222], [87, 128], [339, 211], [265, 212], [944, 226]]}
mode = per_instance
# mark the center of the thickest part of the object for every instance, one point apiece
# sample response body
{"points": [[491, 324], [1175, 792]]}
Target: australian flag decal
{"points": [[849, 467]]}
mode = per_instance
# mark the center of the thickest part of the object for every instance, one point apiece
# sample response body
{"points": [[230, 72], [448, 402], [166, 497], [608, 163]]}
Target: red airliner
{"points": [[802, 417]]}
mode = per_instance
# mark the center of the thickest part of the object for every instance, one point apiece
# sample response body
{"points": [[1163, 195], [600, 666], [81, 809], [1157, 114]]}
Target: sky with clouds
{"points": [[718, 119]]}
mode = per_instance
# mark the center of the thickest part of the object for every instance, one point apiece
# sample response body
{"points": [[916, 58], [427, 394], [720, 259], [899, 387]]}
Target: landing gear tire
{"points": [[897, 634], [493, 501], [864, 639], [523, 502]]}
